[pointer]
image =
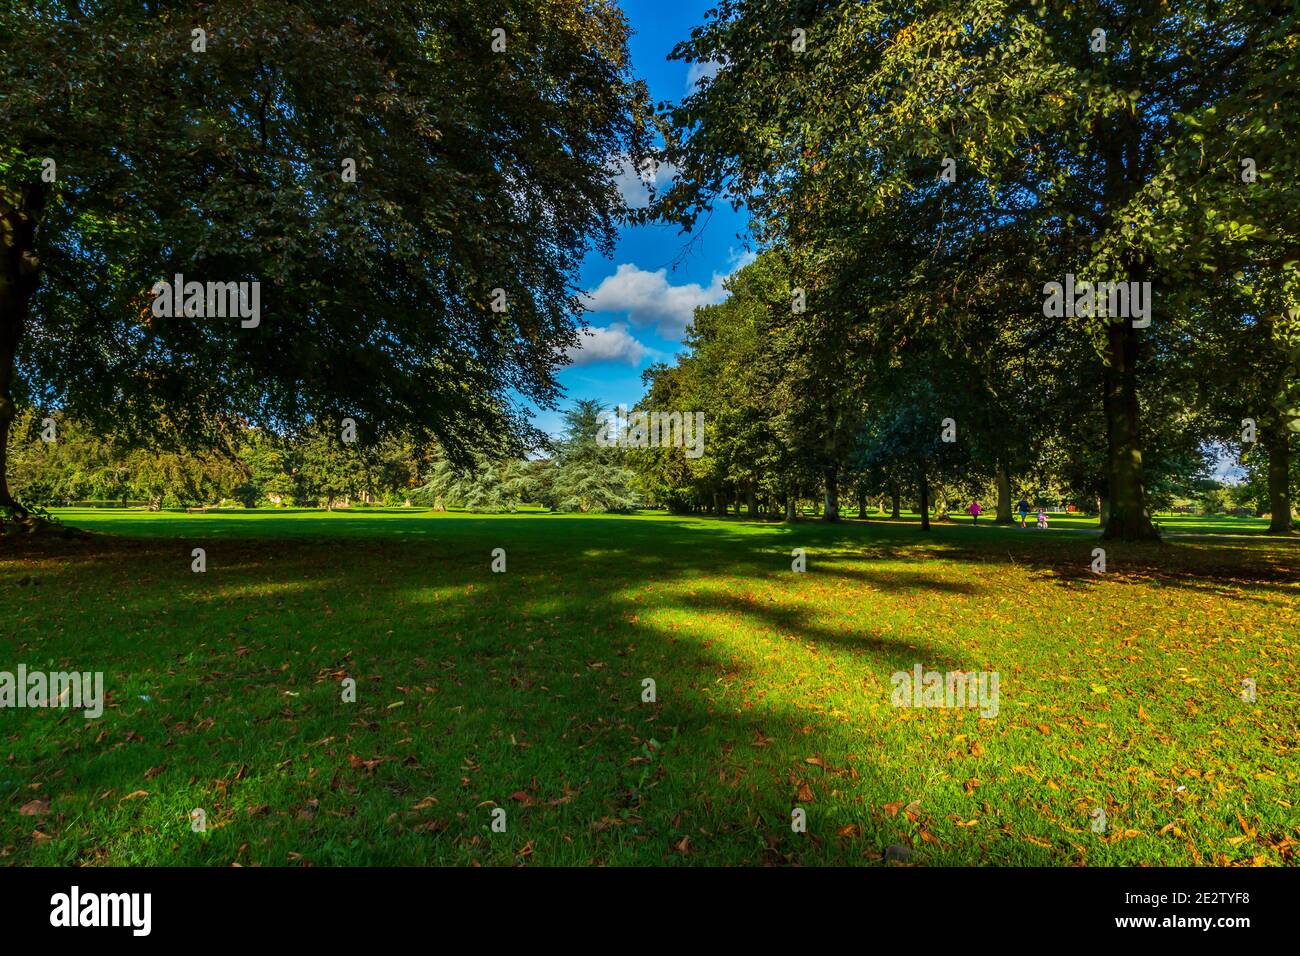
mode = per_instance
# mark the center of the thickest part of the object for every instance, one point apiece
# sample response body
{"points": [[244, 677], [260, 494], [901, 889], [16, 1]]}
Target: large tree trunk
{"points": [[925, 502], [20, 212], [832, 494], [1126, 482], [1004, 496], [1127, 519], [7, 414], [1277, 444], [862, 503], [791, 504], [893, 500]]}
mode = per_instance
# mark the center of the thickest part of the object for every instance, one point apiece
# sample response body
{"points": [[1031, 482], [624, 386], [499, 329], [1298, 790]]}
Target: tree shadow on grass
{"points": [[475, 691], [895, 652], [478, 691], [1240, 570]]}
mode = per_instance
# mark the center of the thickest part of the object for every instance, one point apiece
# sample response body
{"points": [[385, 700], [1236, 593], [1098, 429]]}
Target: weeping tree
{"points": [[369, 210], [588, 473], [486, 486]]}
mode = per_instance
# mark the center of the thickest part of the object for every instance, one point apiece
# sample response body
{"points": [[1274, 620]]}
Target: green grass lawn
{"points": [[523, 691], [1170, 524]]}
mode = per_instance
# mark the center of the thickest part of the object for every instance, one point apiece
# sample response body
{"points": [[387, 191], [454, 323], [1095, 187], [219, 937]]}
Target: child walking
{"points": [[975, 512]]}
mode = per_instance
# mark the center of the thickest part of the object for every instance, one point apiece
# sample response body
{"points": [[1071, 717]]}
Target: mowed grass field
{"points": [[523, 690]]}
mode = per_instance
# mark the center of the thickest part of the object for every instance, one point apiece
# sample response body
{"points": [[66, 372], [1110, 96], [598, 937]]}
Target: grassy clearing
{"points": [[523, 690]]}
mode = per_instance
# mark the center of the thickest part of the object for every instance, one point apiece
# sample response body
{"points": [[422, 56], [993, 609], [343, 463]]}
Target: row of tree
{"points": [[56, 460], [922, 435], [919, 174], [60, 460]]}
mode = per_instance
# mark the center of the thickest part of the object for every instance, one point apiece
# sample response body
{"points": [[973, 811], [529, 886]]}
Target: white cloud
{"points": [[739, 258], [704, 70], [610, 344], [648, 298], [633, 183]]}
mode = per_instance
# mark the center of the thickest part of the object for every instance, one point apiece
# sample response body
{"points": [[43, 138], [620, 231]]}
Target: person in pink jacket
{"points": [[975, 512]]}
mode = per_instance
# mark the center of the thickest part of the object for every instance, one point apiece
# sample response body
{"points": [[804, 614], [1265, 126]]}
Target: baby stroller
{"points": [[1042, 518]]}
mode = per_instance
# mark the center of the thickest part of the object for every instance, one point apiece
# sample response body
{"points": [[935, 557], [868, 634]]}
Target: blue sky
{"points": [[642, 298]]}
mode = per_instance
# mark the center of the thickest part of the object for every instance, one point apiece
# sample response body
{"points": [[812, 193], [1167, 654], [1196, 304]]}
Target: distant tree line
{"points": [[58, 460]]}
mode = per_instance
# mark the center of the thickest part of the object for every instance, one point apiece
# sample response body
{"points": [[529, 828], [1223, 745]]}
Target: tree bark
{"points": [[893, 500], [1277, 444], [1004, 496], [7, 414], [862, 504], [20, 212], [1127, 519], [832, 494], [790, 506], [925, 502]]}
